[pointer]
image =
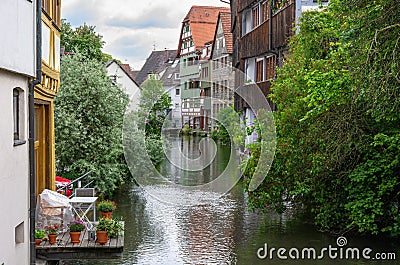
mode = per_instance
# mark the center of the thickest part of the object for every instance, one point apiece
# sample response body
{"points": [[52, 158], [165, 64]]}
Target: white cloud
{"points": [[131, 28]]}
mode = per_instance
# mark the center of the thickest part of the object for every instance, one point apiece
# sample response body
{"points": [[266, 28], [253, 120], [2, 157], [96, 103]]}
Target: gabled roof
{"points": [[125, 68], [203, 21], [225, 19], [155, 63]]}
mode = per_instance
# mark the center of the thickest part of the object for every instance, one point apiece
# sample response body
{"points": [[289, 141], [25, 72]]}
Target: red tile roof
{"points": [[225, 18], [203, 21], [127, 69]]}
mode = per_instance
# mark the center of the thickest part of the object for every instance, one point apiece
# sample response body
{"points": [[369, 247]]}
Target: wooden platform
{"points": [[63, 249]]}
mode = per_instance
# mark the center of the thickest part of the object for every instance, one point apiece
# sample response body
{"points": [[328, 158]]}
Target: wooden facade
{"points": [[265, 40]]}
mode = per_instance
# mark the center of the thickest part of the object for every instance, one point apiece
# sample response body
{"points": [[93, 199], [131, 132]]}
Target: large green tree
{"points": [[84, 40], [89, 112], [338, 130]]}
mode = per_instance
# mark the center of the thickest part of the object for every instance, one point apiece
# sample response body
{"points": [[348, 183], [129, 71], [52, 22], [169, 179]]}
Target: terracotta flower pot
{"points": [[52, 238], [75, 237], [38, 241], [102, 237], [106, 215]]}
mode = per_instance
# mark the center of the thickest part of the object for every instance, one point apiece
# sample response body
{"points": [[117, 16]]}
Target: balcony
{"points": [[63, 249]]}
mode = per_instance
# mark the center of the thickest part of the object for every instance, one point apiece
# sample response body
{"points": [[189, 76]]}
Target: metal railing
{"points": [[78, 181]]}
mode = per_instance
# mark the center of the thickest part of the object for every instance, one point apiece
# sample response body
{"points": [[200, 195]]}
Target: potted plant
{"points": [[106, 208], [108, 228], [115, 228], [102, 228], [75, 229], [39, 235], [51, 231]]}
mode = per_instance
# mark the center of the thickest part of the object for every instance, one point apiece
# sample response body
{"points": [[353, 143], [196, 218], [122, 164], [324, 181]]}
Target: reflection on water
{"points": [[222, 231]]}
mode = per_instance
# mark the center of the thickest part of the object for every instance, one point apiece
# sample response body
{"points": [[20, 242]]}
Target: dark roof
{"points": [[171, 71], [155, 63], [134, 74]]}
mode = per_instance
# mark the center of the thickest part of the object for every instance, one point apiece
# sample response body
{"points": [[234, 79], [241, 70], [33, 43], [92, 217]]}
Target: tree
{"points": [[89, 112], [337, 120], [230, 127], [154, 105], [143, 141], [84, 40]]}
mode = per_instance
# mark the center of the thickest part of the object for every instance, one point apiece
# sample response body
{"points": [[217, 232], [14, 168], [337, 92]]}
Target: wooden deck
{"points": [[63, 249]]}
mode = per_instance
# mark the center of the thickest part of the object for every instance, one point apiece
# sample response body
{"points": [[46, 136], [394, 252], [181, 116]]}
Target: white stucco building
{"points": [[17, 69], [121, 74]]}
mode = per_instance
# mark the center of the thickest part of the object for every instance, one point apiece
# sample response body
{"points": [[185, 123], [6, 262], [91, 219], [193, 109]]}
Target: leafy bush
{"points": [[107, 206]]}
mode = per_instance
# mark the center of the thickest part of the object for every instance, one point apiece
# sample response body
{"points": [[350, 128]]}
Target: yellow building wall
{"points": [[47, 90]]}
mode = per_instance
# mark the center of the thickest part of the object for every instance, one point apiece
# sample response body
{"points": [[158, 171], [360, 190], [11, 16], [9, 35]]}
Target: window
{"points": [[192, 61], [113, 79], [264, 11], [249, 70], [204, 72], [46, 6], [194, 84], [18, 116], [19, 233], [169, 76], [256, 16], [177, 91], [177, 75], [185, 45], [187, 28], [56, 12], [16, 113], [270, 64], [260, 70], [191, 43], [246, 22], [177, 105]]}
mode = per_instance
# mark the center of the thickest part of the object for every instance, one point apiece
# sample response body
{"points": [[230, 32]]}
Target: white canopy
{"points": [[53, 208]]}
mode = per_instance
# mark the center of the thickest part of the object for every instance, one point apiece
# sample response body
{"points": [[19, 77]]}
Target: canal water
{"points": [[222, 231]]}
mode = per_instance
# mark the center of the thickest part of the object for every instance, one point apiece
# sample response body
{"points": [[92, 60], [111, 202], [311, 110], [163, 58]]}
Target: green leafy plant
{"points": [[113, 226], [76, 226], [107, 206], [116, 228], [39, 234]]}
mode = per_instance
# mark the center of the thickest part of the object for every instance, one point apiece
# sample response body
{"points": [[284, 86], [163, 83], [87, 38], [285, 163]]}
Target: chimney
{"points": [[166, 57]]}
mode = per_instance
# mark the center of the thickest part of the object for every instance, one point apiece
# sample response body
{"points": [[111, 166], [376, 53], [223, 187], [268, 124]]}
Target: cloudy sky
{"points": [[131, 28]]}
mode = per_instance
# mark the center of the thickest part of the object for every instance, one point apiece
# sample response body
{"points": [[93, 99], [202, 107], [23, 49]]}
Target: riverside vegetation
{"points": [[338, 120]]}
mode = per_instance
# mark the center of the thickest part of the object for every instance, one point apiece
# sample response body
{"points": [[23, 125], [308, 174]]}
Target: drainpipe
{"points": [[32, 177]]}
